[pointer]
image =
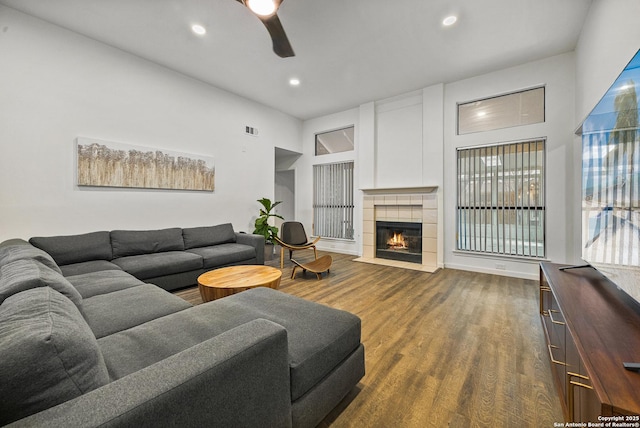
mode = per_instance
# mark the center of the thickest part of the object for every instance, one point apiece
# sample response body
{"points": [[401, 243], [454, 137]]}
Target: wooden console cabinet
{"points": [[591, 328]]}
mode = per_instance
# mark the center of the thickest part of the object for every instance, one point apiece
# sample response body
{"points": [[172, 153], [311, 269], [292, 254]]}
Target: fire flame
{"points": [[396, 242]]}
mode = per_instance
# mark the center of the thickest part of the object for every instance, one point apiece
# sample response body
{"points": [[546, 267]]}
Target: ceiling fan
{"points": [[267, 12]]}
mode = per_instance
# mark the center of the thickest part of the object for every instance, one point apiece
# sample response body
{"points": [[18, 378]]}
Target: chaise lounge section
{"points": [[106, 348]]}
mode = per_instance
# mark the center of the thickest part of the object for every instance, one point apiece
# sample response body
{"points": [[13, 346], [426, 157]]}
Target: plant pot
{"points": [[269, 251]]}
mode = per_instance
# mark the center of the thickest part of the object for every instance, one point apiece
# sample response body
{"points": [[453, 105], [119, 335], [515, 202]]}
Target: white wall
{"points": [[398, 154], [56, 85], [401, 140], [557, 73], [285, 192], [610, 37], [366, 150], [432, 137]]}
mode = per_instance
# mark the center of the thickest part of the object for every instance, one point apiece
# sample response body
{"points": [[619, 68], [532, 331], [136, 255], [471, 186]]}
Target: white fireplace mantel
{"points": [[399, 190]]}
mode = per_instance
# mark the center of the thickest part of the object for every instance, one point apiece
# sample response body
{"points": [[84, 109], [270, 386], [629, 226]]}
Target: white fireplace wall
{"points": [[399, 131]]}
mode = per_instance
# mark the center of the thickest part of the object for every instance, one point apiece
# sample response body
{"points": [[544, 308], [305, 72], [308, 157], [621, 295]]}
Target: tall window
{"points": [[500, 199], [333, 200]]}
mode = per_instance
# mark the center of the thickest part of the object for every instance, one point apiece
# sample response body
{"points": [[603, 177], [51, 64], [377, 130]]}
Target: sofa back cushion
{"points": [[22, 275], [134, 242], [48, 354], [70, 249], [18, 249], [195, 237]]}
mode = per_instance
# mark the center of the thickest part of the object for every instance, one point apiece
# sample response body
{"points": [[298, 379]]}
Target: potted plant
{"points": [[262, 226]]}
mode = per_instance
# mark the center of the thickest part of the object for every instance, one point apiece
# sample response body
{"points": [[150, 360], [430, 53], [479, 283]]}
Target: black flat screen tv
{"points": [[611, 183]]}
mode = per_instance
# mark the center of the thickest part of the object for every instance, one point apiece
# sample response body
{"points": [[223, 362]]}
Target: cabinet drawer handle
{"points": [[583, 385], [571, 374], [551, 311], [553, 360], [543, 289], [570, 393]]}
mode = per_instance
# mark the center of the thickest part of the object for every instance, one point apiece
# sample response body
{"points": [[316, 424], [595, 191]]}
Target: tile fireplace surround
{"points": [[419, 204]]}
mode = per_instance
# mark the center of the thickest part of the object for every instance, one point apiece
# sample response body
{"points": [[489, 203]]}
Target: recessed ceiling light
{"points": [[294, 81], [449, 20], [199, 29]]}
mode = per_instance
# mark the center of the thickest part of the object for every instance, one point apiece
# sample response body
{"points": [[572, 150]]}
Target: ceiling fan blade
{"points": [[281, 45]]}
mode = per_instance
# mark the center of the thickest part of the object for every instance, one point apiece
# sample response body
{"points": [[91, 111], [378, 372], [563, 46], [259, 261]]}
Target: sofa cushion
{"points": [[109, 313], [153, 265], [86, 267], [210, 235], [76, 248], [134, 242], [48, 353], [102, 282], [22, 275], [224, 254], [17, 249], [313, 351], [13, 241]]}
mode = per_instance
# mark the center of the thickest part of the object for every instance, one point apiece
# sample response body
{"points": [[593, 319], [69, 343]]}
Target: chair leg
{"points": [[315, 253], [281, 257], [293, 272]]}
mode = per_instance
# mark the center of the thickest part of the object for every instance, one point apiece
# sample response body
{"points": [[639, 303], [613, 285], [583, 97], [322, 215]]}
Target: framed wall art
{"points": [[109, 164]]}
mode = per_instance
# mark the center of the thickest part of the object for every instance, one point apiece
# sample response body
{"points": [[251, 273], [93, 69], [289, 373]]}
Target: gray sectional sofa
{"points": [[82, 346], [170, 258]]}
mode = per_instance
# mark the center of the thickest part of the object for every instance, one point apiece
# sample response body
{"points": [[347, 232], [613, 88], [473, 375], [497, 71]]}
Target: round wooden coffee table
{"points": [[226, 281]]}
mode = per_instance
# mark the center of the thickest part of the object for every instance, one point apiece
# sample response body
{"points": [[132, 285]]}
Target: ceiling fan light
{"points": [[449, 20], [262, 7]]}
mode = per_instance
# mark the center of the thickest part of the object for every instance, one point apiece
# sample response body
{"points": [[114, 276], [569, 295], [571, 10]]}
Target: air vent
{"points": [[250, 130]]}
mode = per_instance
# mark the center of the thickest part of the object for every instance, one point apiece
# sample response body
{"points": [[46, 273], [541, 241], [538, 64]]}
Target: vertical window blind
{"points": [[333, 200], [500, 199]]}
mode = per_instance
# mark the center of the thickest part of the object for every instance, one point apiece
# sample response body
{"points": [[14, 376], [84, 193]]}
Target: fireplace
{"points": [[396, 206], [397, 240]]}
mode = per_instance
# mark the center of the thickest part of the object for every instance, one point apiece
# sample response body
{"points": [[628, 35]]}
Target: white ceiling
{"points": [[348, 52]]}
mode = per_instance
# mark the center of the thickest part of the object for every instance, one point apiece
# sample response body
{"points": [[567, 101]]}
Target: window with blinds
{"points": [[500, 199], [333, 200]]}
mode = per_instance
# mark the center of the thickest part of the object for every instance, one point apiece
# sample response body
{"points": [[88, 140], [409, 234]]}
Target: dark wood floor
{"points": [[454, 348]]}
